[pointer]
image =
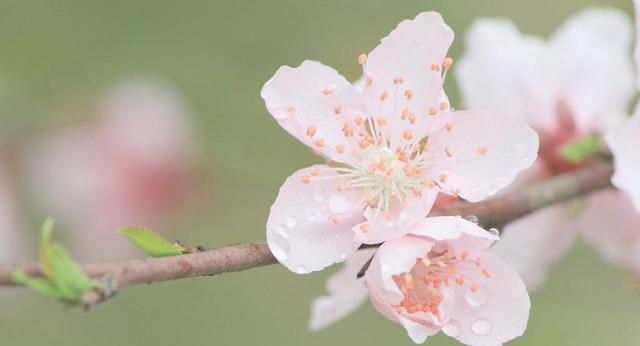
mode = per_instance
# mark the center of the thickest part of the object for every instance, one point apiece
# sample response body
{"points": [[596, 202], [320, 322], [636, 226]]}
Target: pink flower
{"points": [[391, 148], [611, 225], [624, 139], [440, 277], [577, 83], [347, 292], [129, 167]]}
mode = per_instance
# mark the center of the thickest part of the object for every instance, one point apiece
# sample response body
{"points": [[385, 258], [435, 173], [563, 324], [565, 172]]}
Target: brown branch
{"points": [[114, 276]]}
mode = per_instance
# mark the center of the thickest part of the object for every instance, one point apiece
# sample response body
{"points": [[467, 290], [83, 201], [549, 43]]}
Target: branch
{"points": [[114, 276]]}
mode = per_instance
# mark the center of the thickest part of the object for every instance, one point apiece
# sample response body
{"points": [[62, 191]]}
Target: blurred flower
{"points": [[129, 167], [578, 83], [624, 141], [12, 247], [392, 148], [440, 277]]}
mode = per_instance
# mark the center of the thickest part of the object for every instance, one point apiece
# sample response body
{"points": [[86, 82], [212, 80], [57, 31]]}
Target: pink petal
{"points": [[505, 71], [346, 292], [311, 102], [610, 225], [624, 141], [402, 63], [592, 67], [479, 153], [534, 243], [393, 257], [497, 312], [398, 220], [468, 236], [309, 227]]}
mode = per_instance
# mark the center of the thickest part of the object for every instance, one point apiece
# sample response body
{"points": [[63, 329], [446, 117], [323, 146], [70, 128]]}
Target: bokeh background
{"points": [[57, 58]]}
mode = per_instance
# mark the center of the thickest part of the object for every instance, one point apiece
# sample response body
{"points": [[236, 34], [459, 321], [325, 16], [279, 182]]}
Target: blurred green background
{"points": [[217, 55]]}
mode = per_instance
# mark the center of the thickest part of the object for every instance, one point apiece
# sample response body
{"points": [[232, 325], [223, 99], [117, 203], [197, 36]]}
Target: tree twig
{"points": [[114, 276]]}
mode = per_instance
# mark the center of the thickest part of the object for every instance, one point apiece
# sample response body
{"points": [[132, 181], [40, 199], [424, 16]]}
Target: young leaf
{"points": [[580, 149], [66, 274], [38, 284], [65, 279], [151, 243]]}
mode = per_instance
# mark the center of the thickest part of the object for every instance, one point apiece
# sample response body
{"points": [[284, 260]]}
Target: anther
{"points": [[433, 111], [443, 178], [435, 67], [315, 171], [444, 106], [384, 95], [447, 151], [474, 286], [340, 148], [327, 92], [397, 80], [481, 151], [291, 109], [448, 126], [381, 121], [408, 135], [319, 142], [311, 131], [337, 110], [333, 218], [447, 62], [306, 179], [338, 187], [362, 58], [408, 94]]}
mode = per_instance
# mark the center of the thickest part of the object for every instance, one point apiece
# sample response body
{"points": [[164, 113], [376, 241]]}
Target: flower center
{"points": [[422, 286]]}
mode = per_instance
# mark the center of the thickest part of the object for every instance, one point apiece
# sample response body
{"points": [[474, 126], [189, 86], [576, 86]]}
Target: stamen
{"points": [[362, 58], [311, 131], [337, 110], [319, 142], [481, 151]]}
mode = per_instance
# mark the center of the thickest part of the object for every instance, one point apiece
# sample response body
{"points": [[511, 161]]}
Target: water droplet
{"points": [[290, 221], [318, 194], [339, 203], [452, 328], [477, 298], [279, 246], [481, 327], [494, 231], [282, 232], [473, 219], [343, 255], [301, 270]]}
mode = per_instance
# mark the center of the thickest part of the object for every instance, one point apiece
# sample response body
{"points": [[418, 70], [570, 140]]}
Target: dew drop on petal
{"points": [[339, 203], [481, 326], [318, 194], [279, 246], [477, 298], [473, 219], [290, 221], [301, 270], [452, 328]]}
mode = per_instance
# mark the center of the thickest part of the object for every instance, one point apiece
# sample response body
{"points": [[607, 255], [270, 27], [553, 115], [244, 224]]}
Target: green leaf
{"points": [[38, 284], [151, 243], [69, 279], [580, 149]]}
